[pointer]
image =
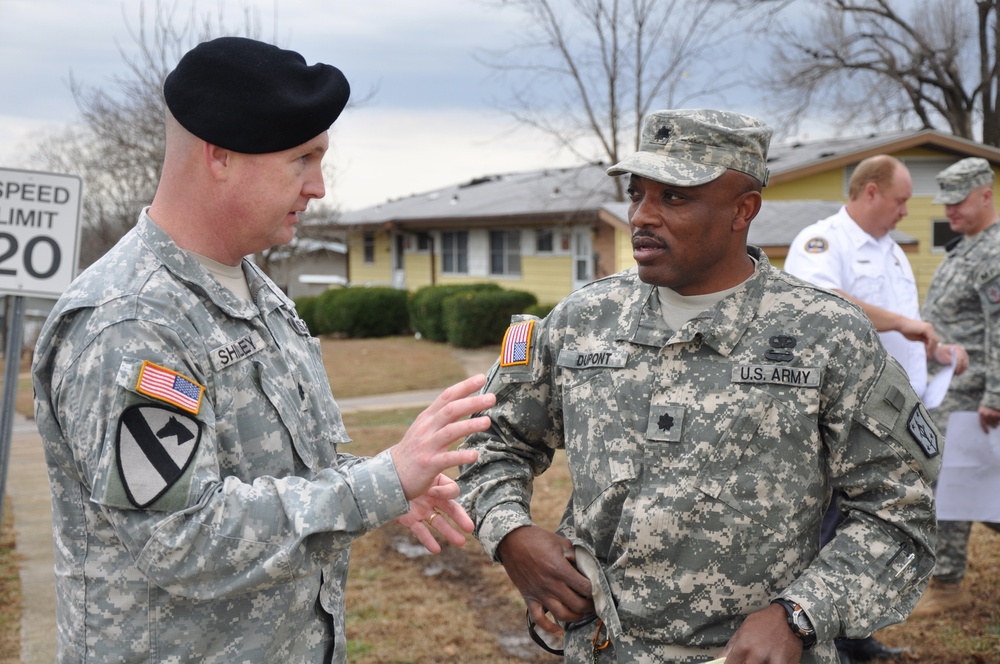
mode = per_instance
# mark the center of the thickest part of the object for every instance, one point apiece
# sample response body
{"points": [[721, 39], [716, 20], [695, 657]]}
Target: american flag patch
{"points": [[516, 348], [165, 385]]}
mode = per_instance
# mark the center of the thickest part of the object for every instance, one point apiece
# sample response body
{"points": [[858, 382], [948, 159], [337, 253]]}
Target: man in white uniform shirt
{"points": [[852, 254]]}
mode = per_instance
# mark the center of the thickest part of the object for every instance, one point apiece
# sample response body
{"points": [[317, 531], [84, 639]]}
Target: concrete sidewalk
{"points": [[28, 491]]}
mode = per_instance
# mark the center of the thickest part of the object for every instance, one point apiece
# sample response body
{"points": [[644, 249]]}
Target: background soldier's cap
{"points": [[691, 147], [956, 181], [252, 97]]}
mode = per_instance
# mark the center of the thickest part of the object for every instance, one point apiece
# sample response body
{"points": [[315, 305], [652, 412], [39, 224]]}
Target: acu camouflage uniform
{"points": [[239, 550], [703, 459], [963, 303]]}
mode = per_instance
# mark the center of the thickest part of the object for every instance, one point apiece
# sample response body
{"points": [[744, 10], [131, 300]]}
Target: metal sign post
{"points": [[11, 369], [39, 251]]}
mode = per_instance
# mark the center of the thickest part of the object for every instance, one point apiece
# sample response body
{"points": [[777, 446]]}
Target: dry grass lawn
{"points": [[459, 607], [361, 367]]}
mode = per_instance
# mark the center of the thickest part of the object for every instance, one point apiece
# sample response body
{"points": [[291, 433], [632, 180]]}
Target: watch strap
{"points": [[798, 622]]}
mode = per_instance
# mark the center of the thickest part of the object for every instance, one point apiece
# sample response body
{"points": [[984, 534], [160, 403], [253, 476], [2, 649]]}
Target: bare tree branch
{"points": [[603, 64], [890, 63]]}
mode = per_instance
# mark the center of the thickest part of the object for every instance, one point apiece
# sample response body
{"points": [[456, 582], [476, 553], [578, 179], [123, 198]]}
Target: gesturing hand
{"points": [[423, 452], [437, 509]]}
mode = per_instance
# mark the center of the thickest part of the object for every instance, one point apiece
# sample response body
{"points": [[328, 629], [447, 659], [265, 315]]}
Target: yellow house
{"points": [[550, 232]]}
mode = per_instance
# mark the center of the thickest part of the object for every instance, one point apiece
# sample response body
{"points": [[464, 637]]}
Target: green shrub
{"points": [[479, 318], [363, 312], [306, 308], [425, 310], [540, 310]]}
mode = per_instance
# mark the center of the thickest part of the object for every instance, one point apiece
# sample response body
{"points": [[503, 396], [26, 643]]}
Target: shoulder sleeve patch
{"points": [[516, 347], [920, 428], [892, 410], [169, 386], [991, 293], [816, 245], [154, 446]]}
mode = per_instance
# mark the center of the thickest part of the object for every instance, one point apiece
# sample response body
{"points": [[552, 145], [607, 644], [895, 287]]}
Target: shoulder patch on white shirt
{"points": [[816, 245]]}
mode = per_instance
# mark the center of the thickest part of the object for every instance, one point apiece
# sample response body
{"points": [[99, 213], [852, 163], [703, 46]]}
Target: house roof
{"points": [[799, 159], [778, 222], [581, 191], [308, 246], [558, 191]]}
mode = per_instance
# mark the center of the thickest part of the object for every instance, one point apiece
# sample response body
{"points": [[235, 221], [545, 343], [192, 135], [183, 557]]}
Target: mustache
{"points": [[646, 238]]}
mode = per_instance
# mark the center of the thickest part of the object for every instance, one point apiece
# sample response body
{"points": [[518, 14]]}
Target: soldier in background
{"points": [[202, 509], [963, 303], [708, 405]]}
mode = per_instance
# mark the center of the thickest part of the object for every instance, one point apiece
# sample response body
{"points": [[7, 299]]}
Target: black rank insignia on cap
{"points": [[155, 445]]}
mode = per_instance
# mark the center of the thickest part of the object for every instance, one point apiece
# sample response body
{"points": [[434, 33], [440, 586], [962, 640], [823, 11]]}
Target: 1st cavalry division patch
{"points": [[516, 347], [155, 445]]}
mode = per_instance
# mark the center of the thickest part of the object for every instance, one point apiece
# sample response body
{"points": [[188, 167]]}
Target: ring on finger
{"points": [[432, 518]]}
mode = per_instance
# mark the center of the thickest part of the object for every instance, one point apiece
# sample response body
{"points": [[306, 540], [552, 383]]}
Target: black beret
{"points": [[248, 96]]}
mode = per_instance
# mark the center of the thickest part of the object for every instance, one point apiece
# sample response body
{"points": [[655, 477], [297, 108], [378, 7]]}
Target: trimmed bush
{"points": [[424, 305], [479, 318], [540, 310], [306, 308], [363, 312]]}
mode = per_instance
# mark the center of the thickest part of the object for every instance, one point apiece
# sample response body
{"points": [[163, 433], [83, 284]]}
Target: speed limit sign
{"points": [[39, 232]]}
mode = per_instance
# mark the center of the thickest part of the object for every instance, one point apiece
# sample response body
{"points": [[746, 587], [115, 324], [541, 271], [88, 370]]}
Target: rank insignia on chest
{"points": [[516, 347], [169, 386]]}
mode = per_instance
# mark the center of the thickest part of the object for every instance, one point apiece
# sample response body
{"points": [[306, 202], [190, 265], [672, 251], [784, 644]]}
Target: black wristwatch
{"points": [[798, 622]]}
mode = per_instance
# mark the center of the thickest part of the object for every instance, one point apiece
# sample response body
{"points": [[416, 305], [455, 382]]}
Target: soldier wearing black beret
{"points": [[202, 511]]}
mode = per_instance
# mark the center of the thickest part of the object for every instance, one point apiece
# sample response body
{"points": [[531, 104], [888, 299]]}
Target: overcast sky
{"points": [[433, 120]]}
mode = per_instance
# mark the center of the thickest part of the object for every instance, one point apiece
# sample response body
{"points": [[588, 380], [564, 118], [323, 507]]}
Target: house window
{"points": [[455, 252], [505, 252], [368, 240], [941, 234], [544, 240], [423, 241]]}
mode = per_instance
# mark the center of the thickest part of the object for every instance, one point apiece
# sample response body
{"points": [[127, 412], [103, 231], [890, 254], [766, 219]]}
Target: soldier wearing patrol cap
{"points": [[708, 404], [202, 510], [963, 303]]}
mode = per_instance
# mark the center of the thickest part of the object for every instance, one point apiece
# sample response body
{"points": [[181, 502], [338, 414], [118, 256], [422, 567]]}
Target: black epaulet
{"points": [[953, 242]]}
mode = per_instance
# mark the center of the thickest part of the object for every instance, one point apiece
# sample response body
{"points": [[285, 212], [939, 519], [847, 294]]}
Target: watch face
{"points": [[802, 621]]}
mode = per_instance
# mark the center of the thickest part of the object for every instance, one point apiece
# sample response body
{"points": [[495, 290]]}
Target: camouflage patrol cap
{"points": [[690, 147], [956, 181]]}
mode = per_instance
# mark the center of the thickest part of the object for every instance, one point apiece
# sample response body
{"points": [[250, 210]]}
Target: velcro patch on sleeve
{"points": [[991, 293], [169, 386], [154, 447], [922, 431], [516, 347]]}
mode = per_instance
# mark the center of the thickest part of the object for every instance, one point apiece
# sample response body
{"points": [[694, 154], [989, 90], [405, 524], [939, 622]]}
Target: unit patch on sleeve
{"points": [[166, 385], [816, 245], [991, 291], [154, 445], [516, 347], [923, 432]]}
